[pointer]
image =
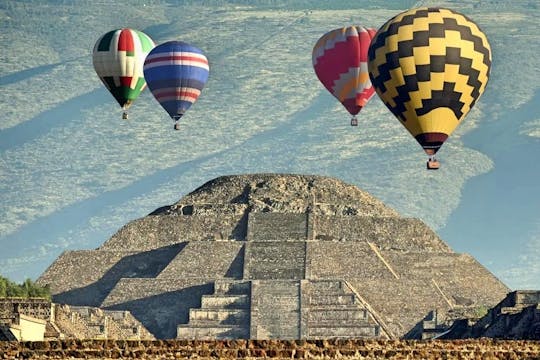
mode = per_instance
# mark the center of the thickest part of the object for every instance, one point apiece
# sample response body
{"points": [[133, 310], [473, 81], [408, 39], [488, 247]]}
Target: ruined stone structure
{"points": [[275, 256], [516, 317], [69, 322]]}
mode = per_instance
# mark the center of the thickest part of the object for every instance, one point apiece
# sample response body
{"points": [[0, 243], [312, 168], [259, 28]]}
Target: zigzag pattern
{"points": [[429, 58]]}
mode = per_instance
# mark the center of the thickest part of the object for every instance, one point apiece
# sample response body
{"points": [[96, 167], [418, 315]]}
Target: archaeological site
{"points": [[269, 256]]}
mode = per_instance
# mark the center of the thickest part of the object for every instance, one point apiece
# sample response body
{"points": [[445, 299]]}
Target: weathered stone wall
{"points": [[267, 260], [325, 259], [215, 259], [330, 310], [86, 277], [286, 193], [524, 297], [67, 273], [515, 317], [483, 349], [82, 322], [159, 304], [275, 309], [276, 226], [10, 308], [395, 307], [386, 232], [456, 276], [152, 232], [437, 281]]}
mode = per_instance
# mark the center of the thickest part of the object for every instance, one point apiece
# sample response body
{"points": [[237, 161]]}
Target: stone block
{"points": [[337, 315], [225, 301], [230, 287], [275, 311], [385, 232], [277, 226], [207, 259], [331, 299], [218, 316], [325, 286], [275, 260]]}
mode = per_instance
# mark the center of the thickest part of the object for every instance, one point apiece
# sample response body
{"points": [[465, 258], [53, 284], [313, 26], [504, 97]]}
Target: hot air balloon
{"points": [[429, 66], [340, 61], [118, 59], [176, 73]]}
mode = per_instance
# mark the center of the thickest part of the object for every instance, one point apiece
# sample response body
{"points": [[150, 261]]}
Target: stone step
{"points": [[336, 307], [227, 287], [275, 331], [279, 288], [284, 315], [334, 331], [326, 286], [221, 316], [338, 315], [332, 299], [340, 322], [512, 310], [225, 302], [283, 301], [212, 332]]}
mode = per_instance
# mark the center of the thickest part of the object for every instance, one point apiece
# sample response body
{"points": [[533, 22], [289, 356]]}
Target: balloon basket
{"points": [[433, 164]]}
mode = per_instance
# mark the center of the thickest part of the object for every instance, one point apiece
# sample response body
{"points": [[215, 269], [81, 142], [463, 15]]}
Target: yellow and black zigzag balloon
{"points": [[429, 66]]}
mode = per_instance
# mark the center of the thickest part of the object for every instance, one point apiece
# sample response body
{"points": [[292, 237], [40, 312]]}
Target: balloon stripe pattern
{"points": [[430, 66], [118, 58], [340, 61], [176, 73]]}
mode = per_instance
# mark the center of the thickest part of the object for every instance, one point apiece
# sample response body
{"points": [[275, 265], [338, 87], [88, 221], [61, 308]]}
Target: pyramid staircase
{"points": [[334, 311], [222, 315], [276, 309]]}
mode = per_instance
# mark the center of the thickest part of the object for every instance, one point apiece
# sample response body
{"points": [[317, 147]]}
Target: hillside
{"points": [[72, 173]]}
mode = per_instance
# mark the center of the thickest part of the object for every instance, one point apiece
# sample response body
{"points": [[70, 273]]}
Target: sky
{"points": [[72, 172]]}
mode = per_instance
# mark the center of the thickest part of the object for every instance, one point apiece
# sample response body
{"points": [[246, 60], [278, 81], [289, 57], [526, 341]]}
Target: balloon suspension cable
{"points": [[125, 115], [176, 119]]}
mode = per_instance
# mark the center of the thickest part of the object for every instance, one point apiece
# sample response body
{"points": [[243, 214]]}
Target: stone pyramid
{"points": [[275, 256]]}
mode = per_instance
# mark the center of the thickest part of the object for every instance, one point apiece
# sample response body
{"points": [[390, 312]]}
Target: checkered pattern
{"points": [[429, 66], [118, 59]]}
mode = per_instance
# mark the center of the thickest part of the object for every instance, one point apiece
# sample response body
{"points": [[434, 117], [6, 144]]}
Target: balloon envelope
{"points": [[340, 62], [429, 66], [118, 58], [176, 72]]}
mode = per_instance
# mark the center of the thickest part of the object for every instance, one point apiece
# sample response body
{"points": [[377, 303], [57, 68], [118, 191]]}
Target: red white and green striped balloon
{"points": [[118, 59]]}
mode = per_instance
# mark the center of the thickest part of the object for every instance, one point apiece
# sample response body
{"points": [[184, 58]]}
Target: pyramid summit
{"points": [[275, 256]]}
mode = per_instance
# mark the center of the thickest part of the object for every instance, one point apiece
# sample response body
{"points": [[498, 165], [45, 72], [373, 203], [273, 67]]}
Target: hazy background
{"points": [[72, 172]]}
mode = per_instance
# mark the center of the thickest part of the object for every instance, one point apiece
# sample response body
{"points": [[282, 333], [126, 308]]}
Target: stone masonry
{"points": [[269, 256]]}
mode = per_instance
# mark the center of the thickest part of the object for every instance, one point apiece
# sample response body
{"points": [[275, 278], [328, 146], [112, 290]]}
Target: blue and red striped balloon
{"points": [[176, 73]]}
